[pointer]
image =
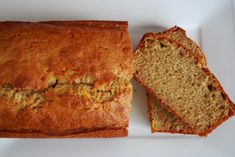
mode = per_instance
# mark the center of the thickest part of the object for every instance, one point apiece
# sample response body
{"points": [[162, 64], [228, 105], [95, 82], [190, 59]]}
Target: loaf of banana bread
{"points": [[65, 79]]}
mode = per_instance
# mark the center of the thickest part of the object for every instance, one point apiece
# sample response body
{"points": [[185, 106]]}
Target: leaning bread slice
{"points": [[182, 85]]}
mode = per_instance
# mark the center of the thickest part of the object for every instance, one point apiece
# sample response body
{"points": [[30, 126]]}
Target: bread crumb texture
{"points": [[164, 121], [161, 119], [179, 35], [174, 75]]}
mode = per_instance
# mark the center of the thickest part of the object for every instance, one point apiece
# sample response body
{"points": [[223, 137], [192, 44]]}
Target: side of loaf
{"points": [[182, 85], [59, 80]]}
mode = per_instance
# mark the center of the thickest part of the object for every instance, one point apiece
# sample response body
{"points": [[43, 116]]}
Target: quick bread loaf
{"points": [[72, 79], [175, 76], [67, 79]]}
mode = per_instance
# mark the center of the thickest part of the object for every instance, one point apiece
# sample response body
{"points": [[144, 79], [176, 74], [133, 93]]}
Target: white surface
{"points": [[210, 22]]}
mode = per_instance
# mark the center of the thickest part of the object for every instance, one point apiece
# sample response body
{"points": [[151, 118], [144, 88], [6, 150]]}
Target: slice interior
{"points": [[182, 85], [161, 120]]}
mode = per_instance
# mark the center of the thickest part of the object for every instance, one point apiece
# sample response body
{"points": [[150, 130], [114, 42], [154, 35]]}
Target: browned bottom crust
{"points": [[93, 134], [185, 132]]}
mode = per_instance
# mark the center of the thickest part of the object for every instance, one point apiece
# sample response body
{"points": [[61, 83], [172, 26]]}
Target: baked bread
{"points": [[161, 120], [65, 81], [179, 35], [182, 85]]}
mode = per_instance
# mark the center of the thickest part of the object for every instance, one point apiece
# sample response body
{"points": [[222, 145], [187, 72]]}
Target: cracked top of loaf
{"points": [[65, 77], [35, 55]]}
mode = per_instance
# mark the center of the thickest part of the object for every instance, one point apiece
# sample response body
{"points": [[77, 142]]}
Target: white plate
{"points": [[210, 22]]}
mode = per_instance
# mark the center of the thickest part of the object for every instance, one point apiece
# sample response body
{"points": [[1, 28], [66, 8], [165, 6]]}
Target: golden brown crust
{"points": [[60, 48], [91, 23], [32, 53], [93, 134], [66, 112], [197, 62]]}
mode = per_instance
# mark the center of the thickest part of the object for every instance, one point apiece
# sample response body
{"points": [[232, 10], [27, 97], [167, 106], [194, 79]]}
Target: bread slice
{"points": [[58, 80], [161, 120], [181, 84]]}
